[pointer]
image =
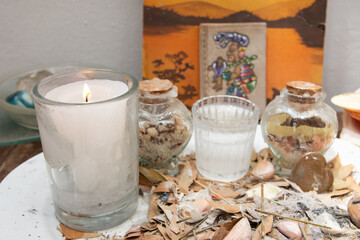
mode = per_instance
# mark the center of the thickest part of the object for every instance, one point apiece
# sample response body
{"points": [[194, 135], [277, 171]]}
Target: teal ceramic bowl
{"points": [[11, 83]]}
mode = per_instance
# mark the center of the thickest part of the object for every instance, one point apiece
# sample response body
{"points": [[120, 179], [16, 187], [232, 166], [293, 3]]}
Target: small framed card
{"points": [[233, 60]]}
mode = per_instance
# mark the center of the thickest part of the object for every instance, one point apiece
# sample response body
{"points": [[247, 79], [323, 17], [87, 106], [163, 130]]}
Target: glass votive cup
{"points": [[91, 146], [224, 129]]}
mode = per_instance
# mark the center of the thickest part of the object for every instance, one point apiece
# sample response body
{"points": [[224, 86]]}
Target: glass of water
{"points": [[224, 129]]}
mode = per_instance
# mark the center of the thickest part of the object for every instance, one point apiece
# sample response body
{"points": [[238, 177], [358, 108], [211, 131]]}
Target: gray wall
{"points": [[109, 33], [341, 72], [93, 32]]}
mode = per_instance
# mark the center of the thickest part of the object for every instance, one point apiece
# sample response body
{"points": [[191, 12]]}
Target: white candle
{"points": [[87, 133], [101, 90]]}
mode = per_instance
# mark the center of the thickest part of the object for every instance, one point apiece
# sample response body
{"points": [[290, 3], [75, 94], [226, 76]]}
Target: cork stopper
{"points": [[305, 89], [155, 86], [156, 90]]}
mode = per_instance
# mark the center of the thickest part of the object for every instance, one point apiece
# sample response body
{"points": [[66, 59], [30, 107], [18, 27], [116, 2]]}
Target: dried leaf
{"points": [[241, 231], [195, 188], [186, 177], [163, 232], [188, 157], [225, 207], [148, 226], [167, 211], [250, 209], [335, 193], [167, 233], [134, 231], [274, 234], [326, 198], [339, 171], [215, 194], [150, 237], [174, 226], [224, 229], [70, 233], [164, 187], [143, 181], [153, 209], [152, 175], [144, 188], [194, 170], [342, 175], [172, 179], [207, 236], [352, 184], [303, 229], [294, 186], [266, 225], [159, 219], [281, 183], [171, 198], [228, 192], [347, 183]]}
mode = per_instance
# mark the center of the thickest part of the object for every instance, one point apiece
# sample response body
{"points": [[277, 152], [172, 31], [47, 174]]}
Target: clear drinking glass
{"points": [[224, 128], [91, 149]]}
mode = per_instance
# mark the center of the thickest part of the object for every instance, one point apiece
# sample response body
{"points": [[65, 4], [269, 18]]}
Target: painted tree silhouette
{"points": [[176, 73]]}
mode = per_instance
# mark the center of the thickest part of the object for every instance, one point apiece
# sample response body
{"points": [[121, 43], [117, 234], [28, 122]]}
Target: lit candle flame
{"points": [[86, 93]]}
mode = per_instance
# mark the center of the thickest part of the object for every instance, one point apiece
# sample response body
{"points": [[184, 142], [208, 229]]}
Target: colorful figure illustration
{"points": [[237, 70]]}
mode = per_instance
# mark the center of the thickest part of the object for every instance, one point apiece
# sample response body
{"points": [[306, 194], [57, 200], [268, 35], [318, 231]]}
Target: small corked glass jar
{"points": [[298, 121], [165, 125]]}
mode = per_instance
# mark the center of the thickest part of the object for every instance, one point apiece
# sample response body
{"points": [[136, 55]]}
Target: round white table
{"points": [[26, 207]]}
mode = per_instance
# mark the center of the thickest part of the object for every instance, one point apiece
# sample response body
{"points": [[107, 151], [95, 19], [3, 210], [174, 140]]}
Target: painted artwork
{"points": [[294, 39], [238, 70], [233, 60]]}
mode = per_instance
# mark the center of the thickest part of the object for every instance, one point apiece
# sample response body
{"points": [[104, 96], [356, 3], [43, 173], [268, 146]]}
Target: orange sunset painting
{"points": [[294, 43]]}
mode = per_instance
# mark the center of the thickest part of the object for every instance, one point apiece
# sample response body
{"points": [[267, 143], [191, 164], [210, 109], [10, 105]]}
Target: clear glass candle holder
{"points": [[224, 128], [90, 143]]}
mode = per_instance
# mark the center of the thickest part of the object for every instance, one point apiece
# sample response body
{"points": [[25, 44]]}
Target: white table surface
{"points": [[26, 208]]}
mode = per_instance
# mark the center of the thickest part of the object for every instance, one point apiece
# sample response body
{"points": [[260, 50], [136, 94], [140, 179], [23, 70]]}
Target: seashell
{"points": [[202, 204], [354, 210], [241, 231], [270, 191], [21, 99], [264, 170], [289, 229]]}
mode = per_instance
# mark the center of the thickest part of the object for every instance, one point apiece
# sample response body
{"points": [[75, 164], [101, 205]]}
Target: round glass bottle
{"points": [[298, 121], [165, 126]]}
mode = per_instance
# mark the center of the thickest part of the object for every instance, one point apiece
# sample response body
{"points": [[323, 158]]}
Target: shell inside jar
{"points": [[293, 137]]}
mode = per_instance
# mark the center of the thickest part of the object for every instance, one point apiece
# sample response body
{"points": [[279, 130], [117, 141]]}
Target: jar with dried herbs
{"points": [[298, 122], [165, 125]]}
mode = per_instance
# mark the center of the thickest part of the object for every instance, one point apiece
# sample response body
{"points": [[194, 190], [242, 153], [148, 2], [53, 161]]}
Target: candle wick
{"points": [[87, 97]]}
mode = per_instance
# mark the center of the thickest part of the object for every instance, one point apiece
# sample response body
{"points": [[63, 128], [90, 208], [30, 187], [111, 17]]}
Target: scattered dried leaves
{"points": [[342, 175], [187, 176], [70, 233], [189, 206]]}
